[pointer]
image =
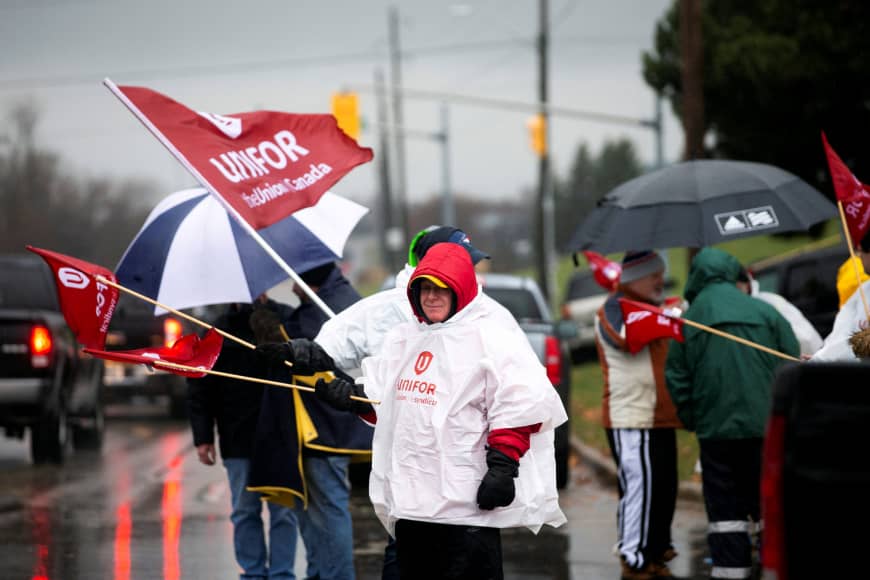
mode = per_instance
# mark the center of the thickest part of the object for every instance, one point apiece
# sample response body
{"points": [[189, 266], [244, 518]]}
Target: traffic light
{"points": [[345, 108], [538, 134]]}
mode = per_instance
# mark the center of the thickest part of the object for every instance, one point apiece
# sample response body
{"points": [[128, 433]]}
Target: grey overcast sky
{"points": [[226, 57]]}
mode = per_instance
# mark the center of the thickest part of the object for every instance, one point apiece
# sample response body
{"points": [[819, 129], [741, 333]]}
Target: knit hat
{"points": [[636, 265], [438, 234]]}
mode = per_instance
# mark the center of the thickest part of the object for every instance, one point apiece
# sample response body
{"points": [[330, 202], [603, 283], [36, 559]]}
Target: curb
{"points": [[605, 469]]}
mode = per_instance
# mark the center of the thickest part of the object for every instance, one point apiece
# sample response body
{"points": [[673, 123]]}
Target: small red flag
{"points": [[86, 303], [606, 272], [265, 164], [645, 323], [853, 194], [189, 350]]}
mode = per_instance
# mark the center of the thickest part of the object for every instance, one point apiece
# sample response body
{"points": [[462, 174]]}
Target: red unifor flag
{"points": [[265, 164], [645, 323], [189, 350], [606, 272], [87, 304], [853, 194]]}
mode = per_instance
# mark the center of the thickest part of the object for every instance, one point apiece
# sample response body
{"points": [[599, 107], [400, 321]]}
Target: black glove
{"points": [[306, 355], [275, 352], [497, 488], [310, 356], [337, 393]]}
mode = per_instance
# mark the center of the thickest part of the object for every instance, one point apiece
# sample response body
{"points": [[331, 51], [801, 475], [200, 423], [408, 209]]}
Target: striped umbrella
{"points": [[190, 252]]}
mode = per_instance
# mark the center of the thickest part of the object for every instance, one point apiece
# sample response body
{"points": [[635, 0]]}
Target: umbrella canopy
{"points": [[190, 252], [700, 203]]}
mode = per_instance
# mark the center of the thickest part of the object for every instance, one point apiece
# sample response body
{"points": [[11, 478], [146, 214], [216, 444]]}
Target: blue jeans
{"points": [[326, 526], [248, 535]]}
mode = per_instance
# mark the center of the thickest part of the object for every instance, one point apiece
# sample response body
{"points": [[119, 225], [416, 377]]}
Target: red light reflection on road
{"points": [[123, 530], [42, 542], [172, 508]]}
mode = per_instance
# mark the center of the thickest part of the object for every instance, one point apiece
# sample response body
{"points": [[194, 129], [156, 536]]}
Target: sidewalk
{"points": [[605, 469]]}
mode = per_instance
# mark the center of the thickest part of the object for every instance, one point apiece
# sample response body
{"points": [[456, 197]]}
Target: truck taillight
{"points": [[171, 331], [772, 513], [553, 360], [40, 346]]}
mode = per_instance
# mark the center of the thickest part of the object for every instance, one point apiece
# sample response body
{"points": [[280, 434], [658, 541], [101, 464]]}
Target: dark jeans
{"points": [[429, 551]]}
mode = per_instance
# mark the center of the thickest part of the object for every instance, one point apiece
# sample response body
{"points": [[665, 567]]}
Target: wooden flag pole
{"points": [[852, 257], [729, 336], [180, 314], [303, 378]]}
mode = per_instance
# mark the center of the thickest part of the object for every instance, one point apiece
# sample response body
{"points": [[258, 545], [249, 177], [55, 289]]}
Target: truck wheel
{"points": [[90, 435], [49, 438], [178, 407]]}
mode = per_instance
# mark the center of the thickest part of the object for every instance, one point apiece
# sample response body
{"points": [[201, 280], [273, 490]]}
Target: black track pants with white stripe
{"points": [[731, 473], [647, 472]]}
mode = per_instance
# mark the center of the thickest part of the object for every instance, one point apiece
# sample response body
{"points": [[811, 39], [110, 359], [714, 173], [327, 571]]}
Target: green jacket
{"points": [[722, 388]]}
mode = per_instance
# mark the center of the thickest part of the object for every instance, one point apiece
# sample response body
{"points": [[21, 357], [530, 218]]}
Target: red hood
{"points": [[451, 264]]}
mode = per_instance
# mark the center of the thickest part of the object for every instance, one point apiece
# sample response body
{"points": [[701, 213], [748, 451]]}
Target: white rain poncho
{"points": [[850, 319], [443, 387]]}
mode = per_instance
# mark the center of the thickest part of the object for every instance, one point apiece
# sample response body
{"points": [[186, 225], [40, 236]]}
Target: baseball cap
{"points": [[441, 234]]}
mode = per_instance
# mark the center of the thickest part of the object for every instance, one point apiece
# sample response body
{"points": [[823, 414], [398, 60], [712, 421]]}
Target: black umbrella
{"points": [[701, 203]]}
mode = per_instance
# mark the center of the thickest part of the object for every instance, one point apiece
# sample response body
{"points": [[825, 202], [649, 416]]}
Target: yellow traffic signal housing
{"points": [[345, 108], [538, 134]]}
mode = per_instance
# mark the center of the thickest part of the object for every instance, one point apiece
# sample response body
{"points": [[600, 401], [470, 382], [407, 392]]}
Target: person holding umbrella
{"points": [[640, 421]]}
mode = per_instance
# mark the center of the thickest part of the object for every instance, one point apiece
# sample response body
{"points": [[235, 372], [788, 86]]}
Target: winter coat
{"points": [[722, 389], [808, 337], [635, 395], [850, 319], [443, 387], [328, 430], [230, 404]]}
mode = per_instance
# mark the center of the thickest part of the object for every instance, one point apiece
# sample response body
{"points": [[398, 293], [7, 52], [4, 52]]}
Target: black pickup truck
{"points": [[47, 385], [815, 486]]}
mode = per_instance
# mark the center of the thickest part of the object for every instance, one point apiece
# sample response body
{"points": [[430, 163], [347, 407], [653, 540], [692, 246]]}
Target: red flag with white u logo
{"points": [[853, 194], [87, 304], [265, 164], [645, 323]]}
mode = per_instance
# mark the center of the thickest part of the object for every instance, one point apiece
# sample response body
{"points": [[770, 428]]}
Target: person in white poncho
{"points": [[463, 440]]}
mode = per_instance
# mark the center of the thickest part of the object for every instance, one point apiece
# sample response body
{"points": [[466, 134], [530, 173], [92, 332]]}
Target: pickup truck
{"points": [[815, 474], [47, 385]]}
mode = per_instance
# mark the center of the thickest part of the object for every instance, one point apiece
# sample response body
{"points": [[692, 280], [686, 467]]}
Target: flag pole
{"points": [[308, 379], [852, 257], [711, 330], [231, 210], [180, 314], [729, 336]]}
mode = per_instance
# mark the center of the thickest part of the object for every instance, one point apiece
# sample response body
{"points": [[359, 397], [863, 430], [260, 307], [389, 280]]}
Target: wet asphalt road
{"points": [[144, 508]]}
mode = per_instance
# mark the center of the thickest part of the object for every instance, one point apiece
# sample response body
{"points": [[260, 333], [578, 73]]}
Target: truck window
{"points": [[26, 285], [811, 286], [519, 302]]}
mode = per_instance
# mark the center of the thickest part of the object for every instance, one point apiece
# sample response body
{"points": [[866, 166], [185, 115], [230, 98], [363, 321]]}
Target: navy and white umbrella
{"points": [[191, 252]]}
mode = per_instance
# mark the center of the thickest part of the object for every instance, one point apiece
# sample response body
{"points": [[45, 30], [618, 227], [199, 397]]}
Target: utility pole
{"points": [[448, 211], [398, 121], [389, 251], [545, 218]]}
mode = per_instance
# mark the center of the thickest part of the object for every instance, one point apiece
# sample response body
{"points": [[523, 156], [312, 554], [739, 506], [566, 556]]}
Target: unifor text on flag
{"points": [[87, 304], [850, 192], [645, 323], [265, 164]]}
